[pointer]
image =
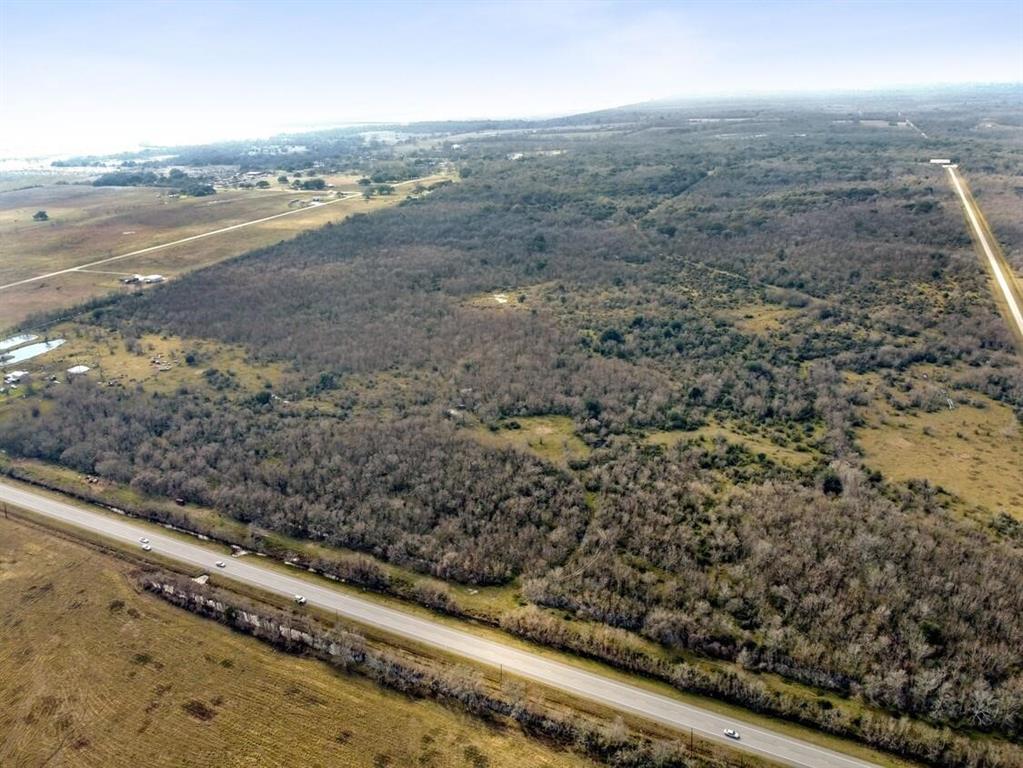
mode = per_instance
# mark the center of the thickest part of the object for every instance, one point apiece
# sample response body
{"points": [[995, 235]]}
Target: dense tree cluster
{"points": [[177, 179], [413, 492], [856, 593]]}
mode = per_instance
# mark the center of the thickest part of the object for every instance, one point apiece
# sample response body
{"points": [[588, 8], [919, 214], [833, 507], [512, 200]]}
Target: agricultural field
{"points": [[94, 673], [88, 224]]}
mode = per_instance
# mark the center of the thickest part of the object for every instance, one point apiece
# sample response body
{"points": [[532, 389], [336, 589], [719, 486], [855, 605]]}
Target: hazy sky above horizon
{"points": [[102, 76]]}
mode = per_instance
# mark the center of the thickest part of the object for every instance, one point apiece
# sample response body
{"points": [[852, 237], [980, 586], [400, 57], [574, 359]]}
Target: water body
{"points": [[27, 353], [15, 341]]}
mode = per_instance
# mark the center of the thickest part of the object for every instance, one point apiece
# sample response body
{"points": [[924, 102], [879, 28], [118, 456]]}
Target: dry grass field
{"points": [[550, 437], [92, 223], [158, 363], [94, 674], [973, 451], [755, 440], [760, 318]]}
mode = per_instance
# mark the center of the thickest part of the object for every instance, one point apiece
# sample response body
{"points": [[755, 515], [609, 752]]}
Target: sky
{"points": [[80, 76]]}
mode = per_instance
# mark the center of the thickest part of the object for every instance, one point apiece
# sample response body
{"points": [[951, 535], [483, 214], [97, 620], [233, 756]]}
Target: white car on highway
{"points": [[221, 564], [146, 548], [143, 540], [731, 733], [299, 599]]}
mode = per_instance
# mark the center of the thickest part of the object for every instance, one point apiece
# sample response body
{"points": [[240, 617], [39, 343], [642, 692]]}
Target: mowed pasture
{"points": [[88, 224], [94, 673]]}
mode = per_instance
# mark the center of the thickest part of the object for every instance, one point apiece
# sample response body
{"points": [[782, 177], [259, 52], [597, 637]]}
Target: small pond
{"points": [[14, 341], [27, 353]]}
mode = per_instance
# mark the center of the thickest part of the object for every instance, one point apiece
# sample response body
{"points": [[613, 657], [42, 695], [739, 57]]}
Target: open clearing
{"points": [[760, 318], [550, 437], [974, 451], [93, 673], [160, 363], [755, 441], [89, 224]]}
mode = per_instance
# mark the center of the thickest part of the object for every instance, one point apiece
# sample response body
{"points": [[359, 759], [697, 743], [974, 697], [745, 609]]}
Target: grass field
{"points": [[94, 674], [974, 451], [92, 223], [760, 318], [550, 437], [158, 363], [756, 440]]}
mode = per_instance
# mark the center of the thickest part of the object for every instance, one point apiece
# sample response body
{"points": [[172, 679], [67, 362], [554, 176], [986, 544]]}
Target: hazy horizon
{"points": [[105, 77]]}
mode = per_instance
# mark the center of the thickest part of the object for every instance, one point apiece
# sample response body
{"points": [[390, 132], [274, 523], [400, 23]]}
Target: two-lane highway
{"points": [[1002, 280], [564, 676]]}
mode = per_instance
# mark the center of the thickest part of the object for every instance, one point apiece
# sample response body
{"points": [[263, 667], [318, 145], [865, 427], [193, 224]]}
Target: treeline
{"points": [[176, 178], [913, 739], [922, 616]]}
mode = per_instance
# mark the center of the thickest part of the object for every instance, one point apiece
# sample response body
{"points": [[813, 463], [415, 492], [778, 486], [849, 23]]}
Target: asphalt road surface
{"points": [[586, 684], [996, 267]]}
